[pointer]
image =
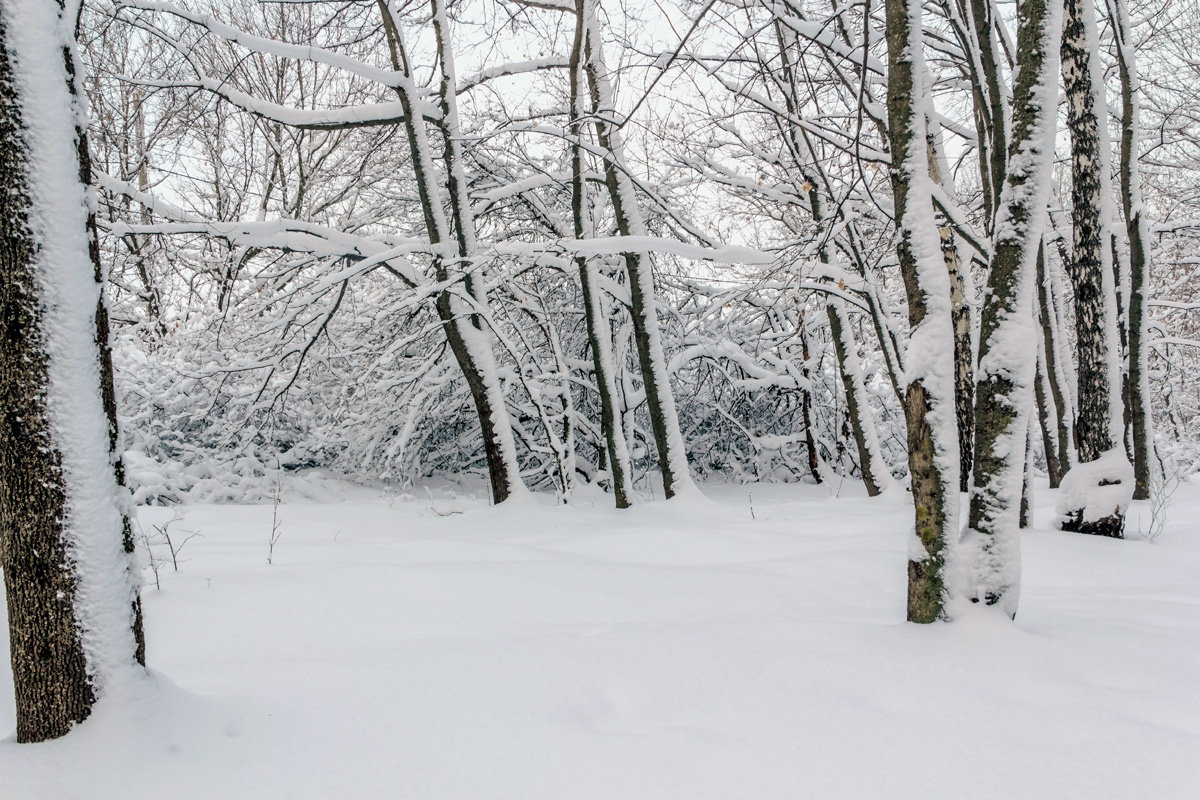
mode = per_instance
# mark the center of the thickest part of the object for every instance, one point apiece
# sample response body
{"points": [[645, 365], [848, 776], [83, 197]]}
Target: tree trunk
{"points": [[664, 420], [866, 438], [1137, 391], [991, 108], [1045, 414], [599, 336], [1098, 424], [960, 311], [1004, 388], [810, 441], [465, 332], [929, 368], [1057, 402], [61, 523]]}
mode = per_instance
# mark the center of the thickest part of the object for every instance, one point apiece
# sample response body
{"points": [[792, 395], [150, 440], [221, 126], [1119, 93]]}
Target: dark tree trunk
{"points": [[845, 353], [463, 330], [1137, 399], [859, 416], [1057, 400], [52, 680], [49, 671], [1046, 413], [990, 108], [615, 452], [1098, 420], [810, 441], [660, 402]]}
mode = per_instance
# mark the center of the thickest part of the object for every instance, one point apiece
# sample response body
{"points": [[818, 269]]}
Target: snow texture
{"points": [[437, 648]]}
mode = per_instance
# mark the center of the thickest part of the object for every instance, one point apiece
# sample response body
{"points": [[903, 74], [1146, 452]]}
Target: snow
{"points": [[438, 648], [1100, 488]]}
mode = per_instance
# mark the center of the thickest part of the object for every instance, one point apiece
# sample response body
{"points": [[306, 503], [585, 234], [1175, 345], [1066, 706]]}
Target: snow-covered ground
{"points": [[431, 647]]}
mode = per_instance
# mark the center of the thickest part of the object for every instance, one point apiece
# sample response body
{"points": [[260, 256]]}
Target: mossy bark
{"points": [[930, 488], [1004, 392]]}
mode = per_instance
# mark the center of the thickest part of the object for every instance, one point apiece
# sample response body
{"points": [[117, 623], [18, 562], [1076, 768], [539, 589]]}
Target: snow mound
{"points": [[1097, 489]]}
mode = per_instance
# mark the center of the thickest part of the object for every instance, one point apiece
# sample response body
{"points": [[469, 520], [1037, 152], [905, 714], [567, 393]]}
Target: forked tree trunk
{"points": [[1007, 337], [664, 420], [990, 105], [61, 521], [1054, 395], [929, 368], [1137, 390], [466, 333], [615, 449]]}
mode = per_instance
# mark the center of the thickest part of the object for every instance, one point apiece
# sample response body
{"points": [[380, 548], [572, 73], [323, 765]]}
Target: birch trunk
{"points": [[1099, 425], [960, 311]]}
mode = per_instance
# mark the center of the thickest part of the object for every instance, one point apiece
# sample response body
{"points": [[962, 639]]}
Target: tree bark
{"points": [[1007, 336], [599, 336], [465, 333], [960, 311], [929, 396], [1137, 228], [1056, 403], [57, 476], [990, 106], [664, 420], [866, 439], [862, 426], [1099, 421]]}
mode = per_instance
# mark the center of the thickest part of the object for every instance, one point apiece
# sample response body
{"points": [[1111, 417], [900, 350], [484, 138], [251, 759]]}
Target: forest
{"points": [[583, 398]]}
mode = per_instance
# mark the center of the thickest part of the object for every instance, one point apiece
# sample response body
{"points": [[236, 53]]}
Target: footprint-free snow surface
{"points": [[747, 646]]}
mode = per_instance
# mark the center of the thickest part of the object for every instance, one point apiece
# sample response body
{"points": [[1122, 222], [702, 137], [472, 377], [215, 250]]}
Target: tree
{"points": [[933, 457], [1091, 505], [74, 621], [1137, 227], [1007, 367]]}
